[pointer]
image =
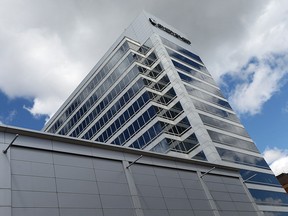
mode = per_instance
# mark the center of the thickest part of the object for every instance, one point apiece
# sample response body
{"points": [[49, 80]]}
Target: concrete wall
{"points": [[49, 175]]}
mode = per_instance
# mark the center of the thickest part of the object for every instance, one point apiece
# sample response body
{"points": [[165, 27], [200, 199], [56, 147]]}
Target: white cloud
{"points": [[46, 49], [266, 41], [277, 160], [285, 108], [262, 80], [41, 69], [9, 117]]}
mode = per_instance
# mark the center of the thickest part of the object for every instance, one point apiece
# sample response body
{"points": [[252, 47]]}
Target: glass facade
{"points": [[264, 197], [159, 96]]}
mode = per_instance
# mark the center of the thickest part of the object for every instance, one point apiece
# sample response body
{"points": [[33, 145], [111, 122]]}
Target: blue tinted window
{"points": [[259, 178], [264, 197], [113, 110], [98, 77], [232, 141], [161, 147], [275, 213], [148, 136], [136, 124], [209, 98], [200, 84], [216, 111], [187, 61], [180, 49], [223, 125], [193, 72], [200, 156], [124, 118], [242, 158], [100, 91]]}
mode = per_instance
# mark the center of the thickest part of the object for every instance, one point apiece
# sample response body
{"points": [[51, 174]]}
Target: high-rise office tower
{"points": [[151, 92]]}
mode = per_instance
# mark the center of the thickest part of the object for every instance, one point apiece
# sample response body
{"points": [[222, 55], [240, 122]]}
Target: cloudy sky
{"points": [[48, 46]]}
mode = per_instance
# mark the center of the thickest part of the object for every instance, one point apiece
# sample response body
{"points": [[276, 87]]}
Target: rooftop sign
{"points": [[167, 30]]}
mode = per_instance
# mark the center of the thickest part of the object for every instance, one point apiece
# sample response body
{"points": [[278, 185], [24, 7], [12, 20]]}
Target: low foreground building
{"points": [[50, 175]]}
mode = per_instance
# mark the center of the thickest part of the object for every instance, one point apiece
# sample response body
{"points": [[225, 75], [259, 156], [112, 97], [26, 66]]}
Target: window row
{"points": [[216, 111], [147, 137], [191, 63], [193, 72], [185, 146], [101, 74], [124, 118], [102, 90], [144, 49], [264, 197], [170, 114], [117, 106], [148, 61], [209, 98], [177, 129], [259, 178], [178, 146], [158, 86], [232, 141], [200, 84], [200, 156], [223, 125], [144, 119], [275, 213], [241, 158], [92, 84], [165, 99], [180, 49], [154, 73], [111, 112]]}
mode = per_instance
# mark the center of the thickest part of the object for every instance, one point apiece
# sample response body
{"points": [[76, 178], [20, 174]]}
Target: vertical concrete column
{"points": [[5, 175], [259, 213], [208, 194], [133, 190]]}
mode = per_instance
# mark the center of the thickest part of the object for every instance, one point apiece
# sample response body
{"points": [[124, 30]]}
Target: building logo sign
{"points": [[167, 30]]}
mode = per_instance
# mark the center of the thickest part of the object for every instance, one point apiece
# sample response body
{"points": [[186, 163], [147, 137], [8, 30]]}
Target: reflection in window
{"points": [[175, 145], [223, 125], [151, 134], [264, 197], [185, 146], [100, 75], [194, 73], [180, 49], [124, 118], [93, 83], [113, 110], [187, 61], [207, 97], [275, 213], [242, 158], [99, 92], [216, 111], [260, 178], [200, 156], [232, 141], [138, 124], [200, 84]]}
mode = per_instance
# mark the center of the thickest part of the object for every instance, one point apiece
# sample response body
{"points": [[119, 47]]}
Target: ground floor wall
{"points": [[56, 178]]}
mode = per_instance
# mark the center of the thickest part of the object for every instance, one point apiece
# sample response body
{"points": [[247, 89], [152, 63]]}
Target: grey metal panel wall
{"points": [[45, 174], [46, 183], [54, 183]]}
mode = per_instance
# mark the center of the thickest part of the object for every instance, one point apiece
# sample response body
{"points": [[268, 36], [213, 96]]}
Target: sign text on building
{"points": [[154, 23]]}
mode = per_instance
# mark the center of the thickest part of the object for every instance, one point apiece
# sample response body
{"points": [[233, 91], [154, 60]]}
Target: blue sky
{"points": [[47, 48]]}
